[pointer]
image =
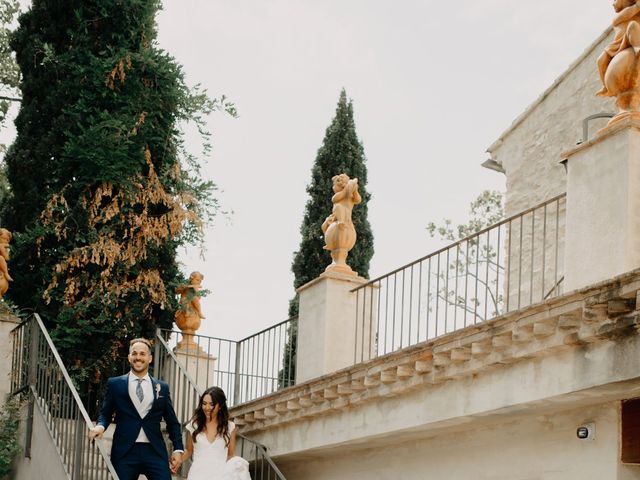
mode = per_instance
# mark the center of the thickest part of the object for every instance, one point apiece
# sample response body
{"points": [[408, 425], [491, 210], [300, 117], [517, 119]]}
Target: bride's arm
{"points": [[232, 445], [189, 450]]}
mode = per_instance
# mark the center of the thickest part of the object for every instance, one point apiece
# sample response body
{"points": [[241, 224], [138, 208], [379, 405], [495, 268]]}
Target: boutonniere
{"points": [[158, 391]]}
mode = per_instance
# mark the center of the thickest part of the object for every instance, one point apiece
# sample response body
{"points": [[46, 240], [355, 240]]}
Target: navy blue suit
{"points": [[131, 459]]}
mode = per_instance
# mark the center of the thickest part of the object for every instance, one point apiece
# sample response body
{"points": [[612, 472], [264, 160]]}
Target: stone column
{"points": [[8, 321], [603, 206], [328, 327]]}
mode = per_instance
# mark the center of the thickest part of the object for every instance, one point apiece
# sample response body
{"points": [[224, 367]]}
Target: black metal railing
{"points": [[505, 267], [172, 368], [247, 369], [38, 369], [261, 466]]}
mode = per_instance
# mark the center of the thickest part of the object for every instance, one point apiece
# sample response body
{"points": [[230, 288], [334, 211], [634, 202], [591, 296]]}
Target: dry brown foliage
{"points": [[118, 73], [124, 235]]}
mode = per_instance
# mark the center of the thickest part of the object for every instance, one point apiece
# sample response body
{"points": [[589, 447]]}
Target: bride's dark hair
{"points": [[199, 419]]}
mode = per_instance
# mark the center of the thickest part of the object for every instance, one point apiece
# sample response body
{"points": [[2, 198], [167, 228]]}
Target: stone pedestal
{"points": [[8, 322], [603, 206], [328, 327], [200, 366]]}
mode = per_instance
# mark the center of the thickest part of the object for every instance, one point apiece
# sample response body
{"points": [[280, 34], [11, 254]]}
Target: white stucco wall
{"points": [[44, 462], [530, 150], [540, 448], [7, 323], [592, 374], [603, 200]]}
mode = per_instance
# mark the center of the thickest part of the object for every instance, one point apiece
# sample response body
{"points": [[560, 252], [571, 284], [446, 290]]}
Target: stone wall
{"points": [[530, 150]]}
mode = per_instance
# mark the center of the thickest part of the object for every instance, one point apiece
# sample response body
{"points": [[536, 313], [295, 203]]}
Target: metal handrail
{"points": [[264, 456], [73, 454], [288, 320], [191, 386], [183, 386], [257, 365], [500, 268], [461, 242], [170, 352]]}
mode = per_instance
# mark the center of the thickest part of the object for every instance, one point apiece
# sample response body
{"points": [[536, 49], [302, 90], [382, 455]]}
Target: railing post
{"points": [[79, 446], [236, 376], [33, 372], [156, 356]]}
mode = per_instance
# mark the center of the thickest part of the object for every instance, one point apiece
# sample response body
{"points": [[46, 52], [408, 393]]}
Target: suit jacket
{"points": [[128, 421]]}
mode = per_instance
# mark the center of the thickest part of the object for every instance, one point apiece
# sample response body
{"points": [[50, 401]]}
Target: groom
{"points": [[139, 403]]}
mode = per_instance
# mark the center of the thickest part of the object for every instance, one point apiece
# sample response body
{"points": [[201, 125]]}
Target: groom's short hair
{"points": [[140, 340]]}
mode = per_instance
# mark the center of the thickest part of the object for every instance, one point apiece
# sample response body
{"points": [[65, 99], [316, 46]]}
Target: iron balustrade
{"points": [[247, 369], [38, 369], [505, 267], [261, 466], [186, 393], [183, 388]]}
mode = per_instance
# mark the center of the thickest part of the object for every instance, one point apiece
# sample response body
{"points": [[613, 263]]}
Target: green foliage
{"points": [[341, 152], [9, 435], [103, 192], [486, 210], [474, 261], [14, 309]]}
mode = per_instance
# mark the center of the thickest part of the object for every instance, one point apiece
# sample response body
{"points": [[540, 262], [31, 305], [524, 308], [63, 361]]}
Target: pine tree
{"points": [[341, 152], [102, 193]]}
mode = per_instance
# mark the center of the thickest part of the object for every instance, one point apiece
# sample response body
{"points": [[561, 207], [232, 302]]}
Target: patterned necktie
{"points": [[139, 392]]}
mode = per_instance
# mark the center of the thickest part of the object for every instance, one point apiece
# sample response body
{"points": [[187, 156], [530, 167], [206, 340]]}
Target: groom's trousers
{"points": [[142, 459]]}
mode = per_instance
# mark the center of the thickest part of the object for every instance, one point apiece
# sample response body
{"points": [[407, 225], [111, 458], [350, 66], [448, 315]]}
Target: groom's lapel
{"points": [[155, 386], [125, 391]]}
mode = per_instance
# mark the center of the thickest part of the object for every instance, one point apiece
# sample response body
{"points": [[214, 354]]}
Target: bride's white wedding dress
{"points": [[210, 459]]}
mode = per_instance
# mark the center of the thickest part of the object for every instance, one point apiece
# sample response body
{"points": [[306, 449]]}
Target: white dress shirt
{"points": [[144, 406]]}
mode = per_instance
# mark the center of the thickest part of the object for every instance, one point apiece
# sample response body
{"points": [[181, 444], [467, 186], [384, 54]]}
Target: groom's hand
{"points": [[175, 462], [96, 431]]}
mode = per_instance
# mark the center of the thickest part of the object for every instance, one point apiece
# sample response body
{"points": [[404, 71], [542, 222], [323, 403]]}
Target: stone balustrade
{"points": [[606, 311]]}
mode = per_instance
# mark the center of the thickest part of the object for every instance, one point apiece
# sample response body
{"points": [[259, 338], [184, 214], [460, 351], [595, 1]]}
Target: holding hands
{"points": [[175, 462]]}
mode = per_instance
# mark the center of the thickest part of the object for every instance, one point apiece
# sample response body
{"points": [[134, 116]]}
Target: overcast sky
{"points": [[433, 84]]}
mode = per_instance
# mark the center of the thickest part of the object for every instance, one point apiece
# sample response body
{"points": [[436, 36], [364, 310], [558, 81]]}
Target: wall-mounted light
{"points": [[586, 431], [491, 164]]}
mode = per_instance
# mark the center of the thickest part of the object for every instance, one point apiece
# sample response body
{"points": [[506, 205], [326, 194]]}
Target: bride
{"points": [[211, 440]]}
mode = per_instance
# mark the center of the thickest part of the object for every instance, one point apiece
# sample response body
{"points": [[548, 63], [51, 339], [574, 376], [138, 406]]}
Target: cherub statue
{"points": [[338, 229], [626, 34], [5, 278], [189, 315], [617, 65]]}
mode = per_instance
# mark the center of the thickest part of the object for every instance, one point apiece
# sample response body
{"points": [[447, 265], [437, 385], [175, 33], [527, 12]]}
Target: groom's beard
{"points": [[139, 367]]}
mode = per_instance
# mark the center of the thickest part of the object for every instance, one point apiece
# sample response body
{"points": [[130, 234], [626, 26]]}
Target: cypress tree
{"points": [[102, 193], [341, 152]]}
